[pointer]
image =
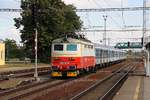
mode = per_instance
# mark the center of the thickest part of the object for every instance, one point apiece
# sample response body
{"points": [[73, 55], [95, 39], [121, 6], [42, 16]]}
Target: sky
{"points": [[115, 20]]}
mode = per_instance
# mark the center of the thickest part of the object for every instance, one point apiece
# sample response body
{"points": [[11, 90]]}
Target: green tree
{"points": [[12, 50], [53, 19]]}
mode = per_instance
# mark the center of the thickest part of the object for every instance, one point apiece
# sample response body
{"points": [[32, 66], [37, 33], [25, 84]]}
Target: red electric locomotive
{"points": [[72, 56]]}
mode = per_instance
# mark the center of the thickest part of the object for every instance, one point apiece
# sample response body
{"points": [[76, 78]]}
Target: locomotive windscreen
{"points": [[71, 47], [58, 47]]}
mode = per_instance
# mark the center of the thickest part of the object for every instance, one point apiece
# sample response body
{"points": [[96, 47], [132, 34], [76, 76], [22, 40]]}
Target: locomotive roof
{"points": [[71, 40], [96, 45]]}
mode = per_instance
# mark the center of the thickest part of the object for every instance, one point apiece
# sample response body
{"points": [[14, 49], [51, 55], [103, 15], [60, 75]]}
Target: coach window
{"points": [[58, 47], [71, 47]]}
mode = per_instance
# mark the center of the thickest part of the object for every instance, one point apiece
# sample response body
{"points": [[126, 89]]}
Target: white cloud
{"points": [[11, 33]]}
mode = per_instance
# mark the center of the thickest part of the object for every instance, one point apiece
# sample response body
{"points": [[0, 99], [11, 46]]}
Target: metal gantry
{"points": [[87, 10], [113, 30], [112, 9], [10, 10]]}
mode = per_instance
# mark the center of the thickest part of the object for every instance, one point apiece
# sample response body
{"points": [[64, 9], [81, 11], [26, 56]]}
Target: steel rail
{"points": [[26, 87], [20, 89], [29, 74], [3, 93], [96, 84], [116, 84], [23, 71], [17, 74], [17, 97]]}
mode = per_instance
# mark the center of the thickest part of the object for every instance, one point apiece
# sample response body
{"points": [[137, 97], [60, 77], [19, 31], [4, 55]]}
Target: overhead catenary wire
{"points": [[105, 17], [121, 16], [114, 21]]}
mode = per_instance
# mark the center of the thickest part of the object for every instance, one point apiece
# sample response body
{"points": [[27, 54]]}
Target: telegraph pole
{"points": [[104, 34]]}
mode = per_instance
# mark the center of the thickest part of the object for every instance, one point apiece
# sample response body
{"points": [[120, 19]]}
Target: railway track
{"points": [[103, 89], [17, 79], [20, 92], [71, 88], [22, 73], [34, 89], [23, 91]]}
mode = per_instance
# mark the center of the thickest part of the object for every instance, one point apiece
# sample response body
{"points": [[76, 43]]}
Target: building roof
{"points": [[71, 40]]}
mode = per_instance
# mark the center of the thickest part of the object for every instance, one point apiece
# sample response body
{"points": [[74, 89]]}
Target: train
{"points": [[71, 57]]}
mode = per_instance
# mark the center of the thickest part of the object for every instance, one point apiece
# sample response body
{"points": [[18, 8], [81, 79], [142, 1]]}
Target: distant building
{"points": [[2, 53]]}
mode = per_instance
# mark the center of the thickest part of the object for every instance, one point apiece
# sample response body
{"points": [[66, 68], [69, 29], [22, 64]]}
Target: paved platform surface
{"points": [[146, 91], [135, 88]]}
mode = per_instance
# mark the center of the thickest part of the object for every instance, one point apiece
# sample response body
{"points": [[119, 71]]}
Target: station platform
{"points": [[134, 88]]}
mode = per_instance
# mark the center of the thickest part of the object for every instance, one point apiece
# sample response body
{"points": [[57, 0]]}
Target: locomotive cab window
{"points": [[71, 47], [58, 47]]}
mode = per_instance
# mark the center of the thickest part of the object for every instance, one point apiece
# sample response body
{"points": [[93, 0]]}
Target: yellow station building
{"points": [[2, 53]]}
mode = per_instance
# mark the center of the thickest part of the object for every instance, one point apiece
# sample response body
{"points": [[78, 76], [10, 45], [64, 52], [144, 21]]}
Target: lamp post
{"points": [[144, 33], [144, 22], [34, 14], [104, 34]]}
